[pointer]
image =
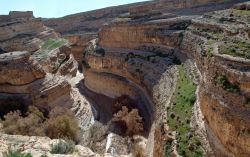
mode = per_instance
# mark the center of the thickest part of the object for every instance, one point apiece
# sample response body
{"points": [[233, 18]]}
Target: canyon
{"points": [[177, 71]]}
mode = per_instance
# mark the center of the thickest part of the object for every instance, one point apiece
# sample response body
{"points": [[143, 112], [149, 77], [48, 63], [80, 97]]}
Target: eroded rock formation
{"points": [[20, 31], [224, 105], [40, 75], [136, 50], [143, 52]]}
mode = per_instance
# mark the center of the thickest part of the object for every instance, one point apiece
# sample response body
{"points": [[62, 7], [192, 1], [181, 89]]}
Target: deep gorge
{"points": [[142, 79]]}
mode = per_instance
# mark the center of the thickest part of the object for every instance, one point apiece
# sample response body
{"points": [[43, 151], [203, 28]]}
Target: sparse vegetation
{"points": [[13, 153], [63, 147], [97, 133], [52, 44], [139, 146], [210, 34], [210, 52], [29, 125], [167, 149], [180, 117], [47, 47], [61, 123], [241, 12], [236, 48], [223, 81]]}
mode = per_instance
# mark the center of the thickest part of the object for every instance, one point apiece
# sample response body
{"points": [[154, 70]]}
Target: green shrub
{"points": [[223, 81], [210, 53], [192, 99], [63, 147], [12, 153]]}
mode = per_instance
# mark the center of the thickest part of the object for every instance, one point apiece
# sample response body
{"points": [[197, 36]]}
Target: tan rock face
{"points": [[26, 78], [120, 40], [17, 68], [136, 60], [134, 35], [78, 44], [226, 112], [21, 31], [116, 70]]}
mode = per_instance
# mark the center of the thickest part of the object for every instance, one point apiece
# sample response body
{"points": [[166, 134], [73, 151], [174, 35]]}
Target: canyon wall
{"points": [[137, 53], [141, 50], [31, 70], [81, 28], [21, 31], [225, 106]]}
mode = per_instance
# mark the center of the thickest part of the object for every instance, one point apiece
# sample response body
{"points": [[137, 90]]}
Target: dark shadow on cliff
{"points": [[100, 103]]}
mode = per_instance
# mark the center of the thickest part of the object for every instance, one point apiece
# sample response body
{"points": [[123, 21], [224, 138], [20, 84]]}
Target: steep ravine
{"points": [[186, 75], [129, 51]]}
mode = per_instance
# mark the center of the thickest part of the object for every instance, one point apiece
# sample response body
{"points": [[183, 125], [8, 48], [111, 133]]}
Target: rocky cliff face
{"points": [[41, 74], [32, 72], [20, 31], [224, 90], [87, 25], [144, 52], [150, 52]]}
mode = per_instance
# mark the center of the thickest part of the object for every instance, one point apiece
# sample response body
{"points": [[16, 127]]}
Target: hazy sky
{"points": [[57, 8]]}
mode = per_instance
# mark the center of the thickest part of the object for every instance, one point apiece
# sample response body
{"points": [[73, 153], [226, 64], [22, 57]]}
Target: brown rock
{"points": [[18, 69]]}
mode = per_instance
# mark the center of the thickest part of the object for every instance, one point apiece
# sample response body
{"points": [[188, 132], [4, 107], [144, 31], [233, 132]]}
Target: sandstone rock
{"points": [[135, 57], [38, 146], [232, 116], [18, 69], [21, 31], [79, 43]]}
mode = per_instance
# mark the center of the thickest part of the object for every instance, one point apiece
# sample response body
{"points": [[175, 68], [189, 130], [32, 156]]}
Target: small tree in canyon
{"points": [[132, 119]]}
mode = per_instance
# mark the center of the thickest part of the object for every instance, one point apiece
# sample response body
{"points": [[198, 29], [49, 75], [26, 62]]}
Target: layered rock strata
{"points": [[136, 55], [225, 106], [131, 50], [43, 89], [21, 31], [39, 75], [87, 25], [78, 44]]}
